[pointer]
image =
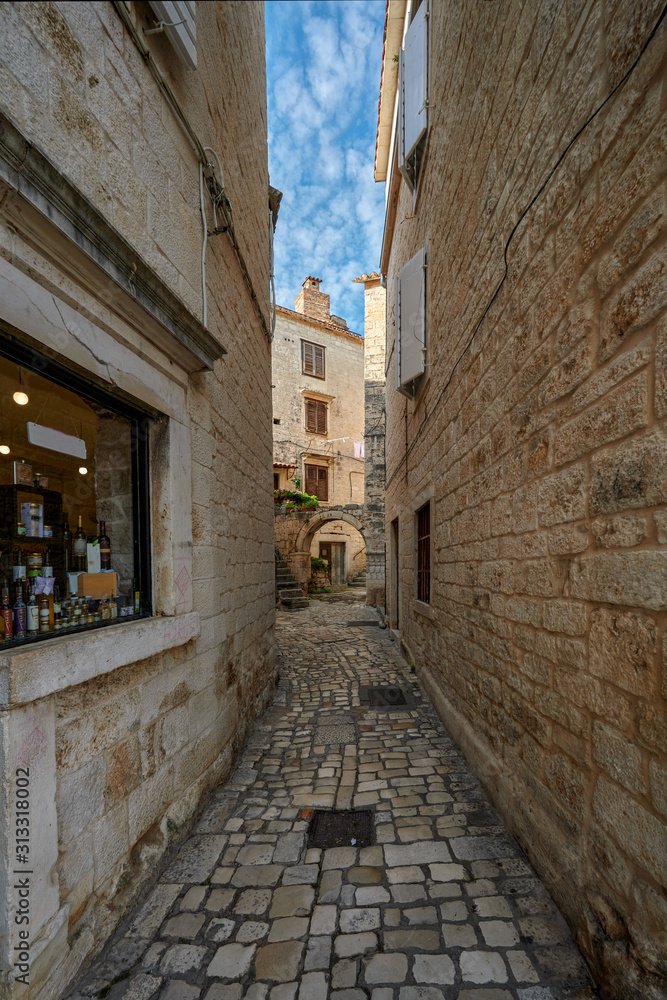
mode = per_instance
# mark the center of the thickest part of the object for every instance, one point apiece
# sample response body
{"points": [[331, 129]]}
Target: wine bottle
{"points": [[19, 615], [80, 547], [67, 544], [32, 614], [47, 568], [19, 570], [7, 614], [105, 547]]}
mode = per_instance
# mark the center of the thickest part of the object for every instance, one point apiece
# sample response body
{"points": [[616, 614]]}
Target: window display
{"points": [[73, 503]]}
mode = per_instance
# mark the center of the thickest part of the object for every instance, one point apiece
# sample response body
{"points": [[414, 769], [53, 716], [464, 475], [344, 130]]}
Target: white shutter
{"points": [[411, 322], [179, 25], [415, 81]]}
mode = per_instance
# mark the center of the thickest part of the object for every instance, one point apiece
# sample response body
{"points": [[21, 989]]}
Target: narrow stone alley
{"points": [[441, 905]]}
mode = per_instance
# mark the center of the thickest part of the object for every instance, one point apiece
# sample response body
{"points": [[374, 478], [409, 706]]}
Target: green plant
{"points": [[297, 482], [317, 563], [294, 498]]}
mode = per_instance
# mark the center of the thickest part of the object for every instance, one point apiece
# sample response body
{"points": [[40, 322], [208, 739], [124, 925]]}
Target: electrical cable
{"points": [[530, 204]]}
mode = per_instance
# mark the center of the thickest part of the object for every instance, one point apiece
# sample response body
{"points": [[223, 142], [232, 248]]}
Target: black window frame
{"points": [[34, 360], [423, 569]]}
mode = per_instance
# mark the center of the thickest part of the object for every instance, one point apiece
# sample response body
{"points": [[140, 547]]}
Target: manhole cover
{"points": [[364, 622], [335, 734], [386, 697], [341, 829]]}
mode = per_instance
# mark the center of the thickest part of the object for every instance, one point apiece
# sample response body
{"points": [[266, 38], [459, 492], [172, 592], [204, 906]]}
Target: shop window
{"points": [[74, 543], [316, 416], [424, 554], [317, 481], [312, 359]]}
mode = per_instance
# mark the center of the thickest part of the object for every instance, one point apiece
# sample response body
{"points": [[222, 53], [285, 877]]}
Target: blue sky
{"points": [[323, 67]]}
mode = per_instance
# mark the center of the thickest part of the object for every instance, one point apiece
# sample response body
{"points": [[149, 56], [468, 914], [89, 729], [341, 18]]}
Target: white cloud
{"points": [[323, 61]]}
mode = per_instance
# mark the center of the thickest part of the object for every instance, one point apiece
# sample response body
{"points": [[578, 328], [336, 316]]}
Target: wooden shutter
{"points": [[316, 416], [317, 481], [311, 480], [312, 359], [307, 358], [319, 360], [322, 483]]}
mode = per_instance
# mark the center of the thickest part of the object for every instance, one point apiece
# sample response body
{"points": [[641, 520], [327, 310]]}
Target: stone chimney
{"points": [[312, 302]]}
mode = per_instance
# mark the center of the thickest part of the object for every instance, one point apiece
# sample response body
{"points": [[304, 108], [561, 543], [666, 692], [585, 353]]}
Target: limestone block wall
{"points": [[136, 726], [342, 389], [375, 332], [543, 448]]}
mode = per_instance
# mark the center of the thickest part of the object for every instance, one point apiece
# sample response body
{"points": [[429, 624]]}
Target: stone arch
{"points": [[322, 517]]}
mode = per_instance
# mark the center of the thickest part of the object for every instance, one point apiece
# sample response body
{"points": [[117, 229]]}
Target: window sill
{"points": [[423, 609], [27, 674]]}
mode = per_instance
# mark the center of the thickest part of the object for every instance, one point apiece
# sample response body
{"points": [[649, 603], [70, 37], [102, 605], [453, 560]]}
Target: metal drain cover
{"points": [[341, 829], [386, 696], [365, 621]]}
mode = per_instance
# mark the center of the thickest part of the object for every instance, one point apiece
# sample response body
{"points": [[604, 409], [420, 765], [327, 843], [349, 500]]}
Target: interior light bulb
{"points": [[20, 398], [83, 470], [4, 450]]}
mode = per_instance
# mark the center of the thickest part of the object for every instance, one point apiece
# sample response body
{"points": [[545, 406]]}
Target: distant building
{"points": [[318, 419]]}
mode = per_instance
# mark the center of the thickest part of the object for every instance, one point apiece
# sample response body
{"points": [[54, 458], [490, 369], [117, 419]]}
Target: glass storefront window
{"points": [[73, 503]]}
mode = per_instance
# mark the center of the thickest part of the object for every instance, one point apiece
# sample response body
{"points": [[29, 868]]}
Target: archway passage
{"points": [[341, 544], [296, 531]]}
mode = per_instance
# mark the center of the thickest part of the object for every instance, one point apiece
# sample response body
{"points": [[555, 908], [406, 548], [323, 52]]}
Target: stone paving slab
{"points": [[443, 906]]}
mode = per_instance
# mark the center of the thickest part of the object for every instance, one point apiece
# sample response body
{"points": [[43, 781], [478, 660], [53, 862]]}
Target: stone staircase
{"points": [[290, 593], [359, 580]]}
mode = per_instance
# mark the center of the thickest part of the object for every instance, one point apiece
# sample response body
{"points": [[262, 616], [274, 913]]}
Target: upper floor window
{"points": [[316, 416], [411, 324], [177, 19], [413, 96], [424, 553], [312, 359]]}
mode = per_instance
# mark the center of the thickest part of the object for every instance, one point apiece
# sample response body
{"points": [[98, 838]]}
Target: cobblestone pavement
{"points": [[443, 906]]}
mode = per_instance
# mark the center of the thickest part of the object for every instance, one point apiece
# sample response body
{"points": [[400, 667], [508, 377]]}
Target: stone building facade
{"points": [[121, 732], [524, 250], [318, 419], [375, 333]]}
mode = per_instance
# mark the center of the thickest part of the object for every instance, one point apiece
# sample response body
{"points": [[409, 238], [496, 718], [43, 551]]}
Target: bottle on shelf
{"points": [[80, 550], [34, 565], [44, 623], [19, 570], [7, 613], [47, 568], [67, 543], [105, 547], [32, 614], [57, 610], [20, 618]]}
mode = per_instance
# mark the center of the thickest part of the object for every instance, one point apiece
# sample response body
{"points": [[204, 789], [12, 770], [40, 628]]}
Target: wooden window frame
{"points": [[313, 371], [423, 535], [325, 479], [320, 423]]}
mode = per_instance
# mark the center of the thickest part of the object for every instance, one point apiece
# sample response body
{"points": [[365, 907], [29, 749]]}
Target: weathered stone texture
{"points": [[546, 453]]}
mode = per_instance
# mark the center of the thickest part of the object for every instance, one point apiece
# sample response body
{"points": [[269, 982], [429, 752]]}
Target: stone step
{"points": [[290, 595]]}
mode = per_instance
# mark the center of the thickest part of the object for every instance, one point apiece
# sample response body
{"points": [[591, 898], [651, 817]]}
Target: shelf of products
{"points": [[73, 507]]}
